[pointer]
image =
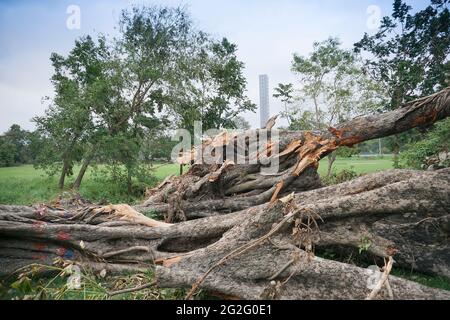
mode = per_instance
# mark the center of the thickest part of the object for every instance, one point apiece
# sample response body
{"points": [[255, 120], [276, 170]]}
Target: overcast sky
{"points": [[267, 34]]}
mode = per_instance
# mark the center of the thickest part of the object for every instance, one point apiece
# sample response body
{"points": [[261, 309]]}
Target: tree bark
{"points": [[64, 171], [331, 159]]}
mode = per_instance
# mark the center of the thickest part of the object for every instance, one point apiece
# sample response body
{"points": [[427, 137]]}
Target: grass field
{"points": [[26, 185], [359, 165]]}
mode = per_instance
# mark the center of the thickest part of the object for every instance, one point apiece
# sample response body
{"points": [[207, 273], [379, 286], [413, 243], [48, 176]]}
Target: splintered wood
{"points": [[125, 212]]}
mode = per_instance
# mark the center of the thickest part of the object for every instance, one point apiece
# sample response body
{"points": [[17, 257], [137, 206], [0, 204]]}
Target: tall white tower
{"points": [[263, 99]]}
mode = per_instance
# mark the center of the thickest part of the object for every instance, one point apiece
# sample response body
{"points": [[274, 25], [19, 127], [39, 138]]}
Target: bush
{"points": [[113, 182], [437, 140], [341, 176]]}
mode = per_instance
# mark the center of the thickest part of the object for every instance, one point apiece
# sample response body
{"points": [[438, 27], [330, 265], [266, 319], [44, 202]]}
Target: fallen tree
{"points": [[253, 234]]}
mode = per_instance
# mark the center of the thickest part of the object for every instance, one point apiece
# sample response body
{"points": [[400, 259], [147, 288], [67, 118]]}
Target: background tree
{"points": [[285, 93], [212, 89], [7, 152], [15, 147], [408, 55], [142, 66], [332, 79], [301, 120], [69, 119], [157, 147], [111, 94], [241, 123]]}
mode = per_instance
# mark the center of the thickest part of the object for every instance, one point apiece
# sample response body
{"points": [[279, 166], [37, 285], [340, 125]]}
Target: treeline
{"points": [[17, 147]]}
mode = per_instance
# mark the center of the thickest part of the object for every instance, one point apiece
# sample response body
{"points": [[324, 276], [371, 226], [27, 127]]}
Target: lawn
{"points": [[26, 185], [359, 165]]}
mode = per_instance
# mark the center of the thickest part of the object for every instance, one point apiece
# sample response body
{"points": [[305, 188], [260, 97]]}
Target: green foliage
{"points": [[157, 147], [15, 147], [22, 285], [364, 244], [301, 120], [409, 57], [114, 96], [80, 80], [241, 123], [7, 152], [346, 152], [333, 83], [211, 86], [285, 93], [435, 141], [409, 53], [110, 183]]}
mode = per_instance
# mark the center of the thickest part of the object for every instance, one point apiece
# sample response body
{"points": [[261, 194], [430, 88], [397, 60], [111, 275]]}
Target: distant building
{"points": [[263, 99]]}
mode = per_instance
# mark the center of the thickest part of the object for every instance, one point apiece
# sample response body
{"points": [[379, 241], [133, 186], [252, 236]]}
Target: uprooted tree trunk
{"points": [[251, 233]]}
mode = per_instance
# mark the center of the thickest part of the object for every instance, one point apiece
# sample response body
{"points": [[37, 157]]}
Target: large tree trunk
{"points": [[62, 177], [331, 160], [225, 187], [253, 235]]}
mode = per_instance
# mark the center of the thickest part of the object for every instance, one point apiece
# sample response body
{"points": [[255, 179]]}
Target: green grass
{"points": [[426, 280], [359, 165], [92, 287], [165, 170], [26, 185]]}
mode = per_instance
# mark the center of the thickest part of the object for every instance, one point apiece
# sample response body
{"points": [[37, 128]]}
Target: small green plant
{"points": [[436, 140], [364, 244], [151, 213]]}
